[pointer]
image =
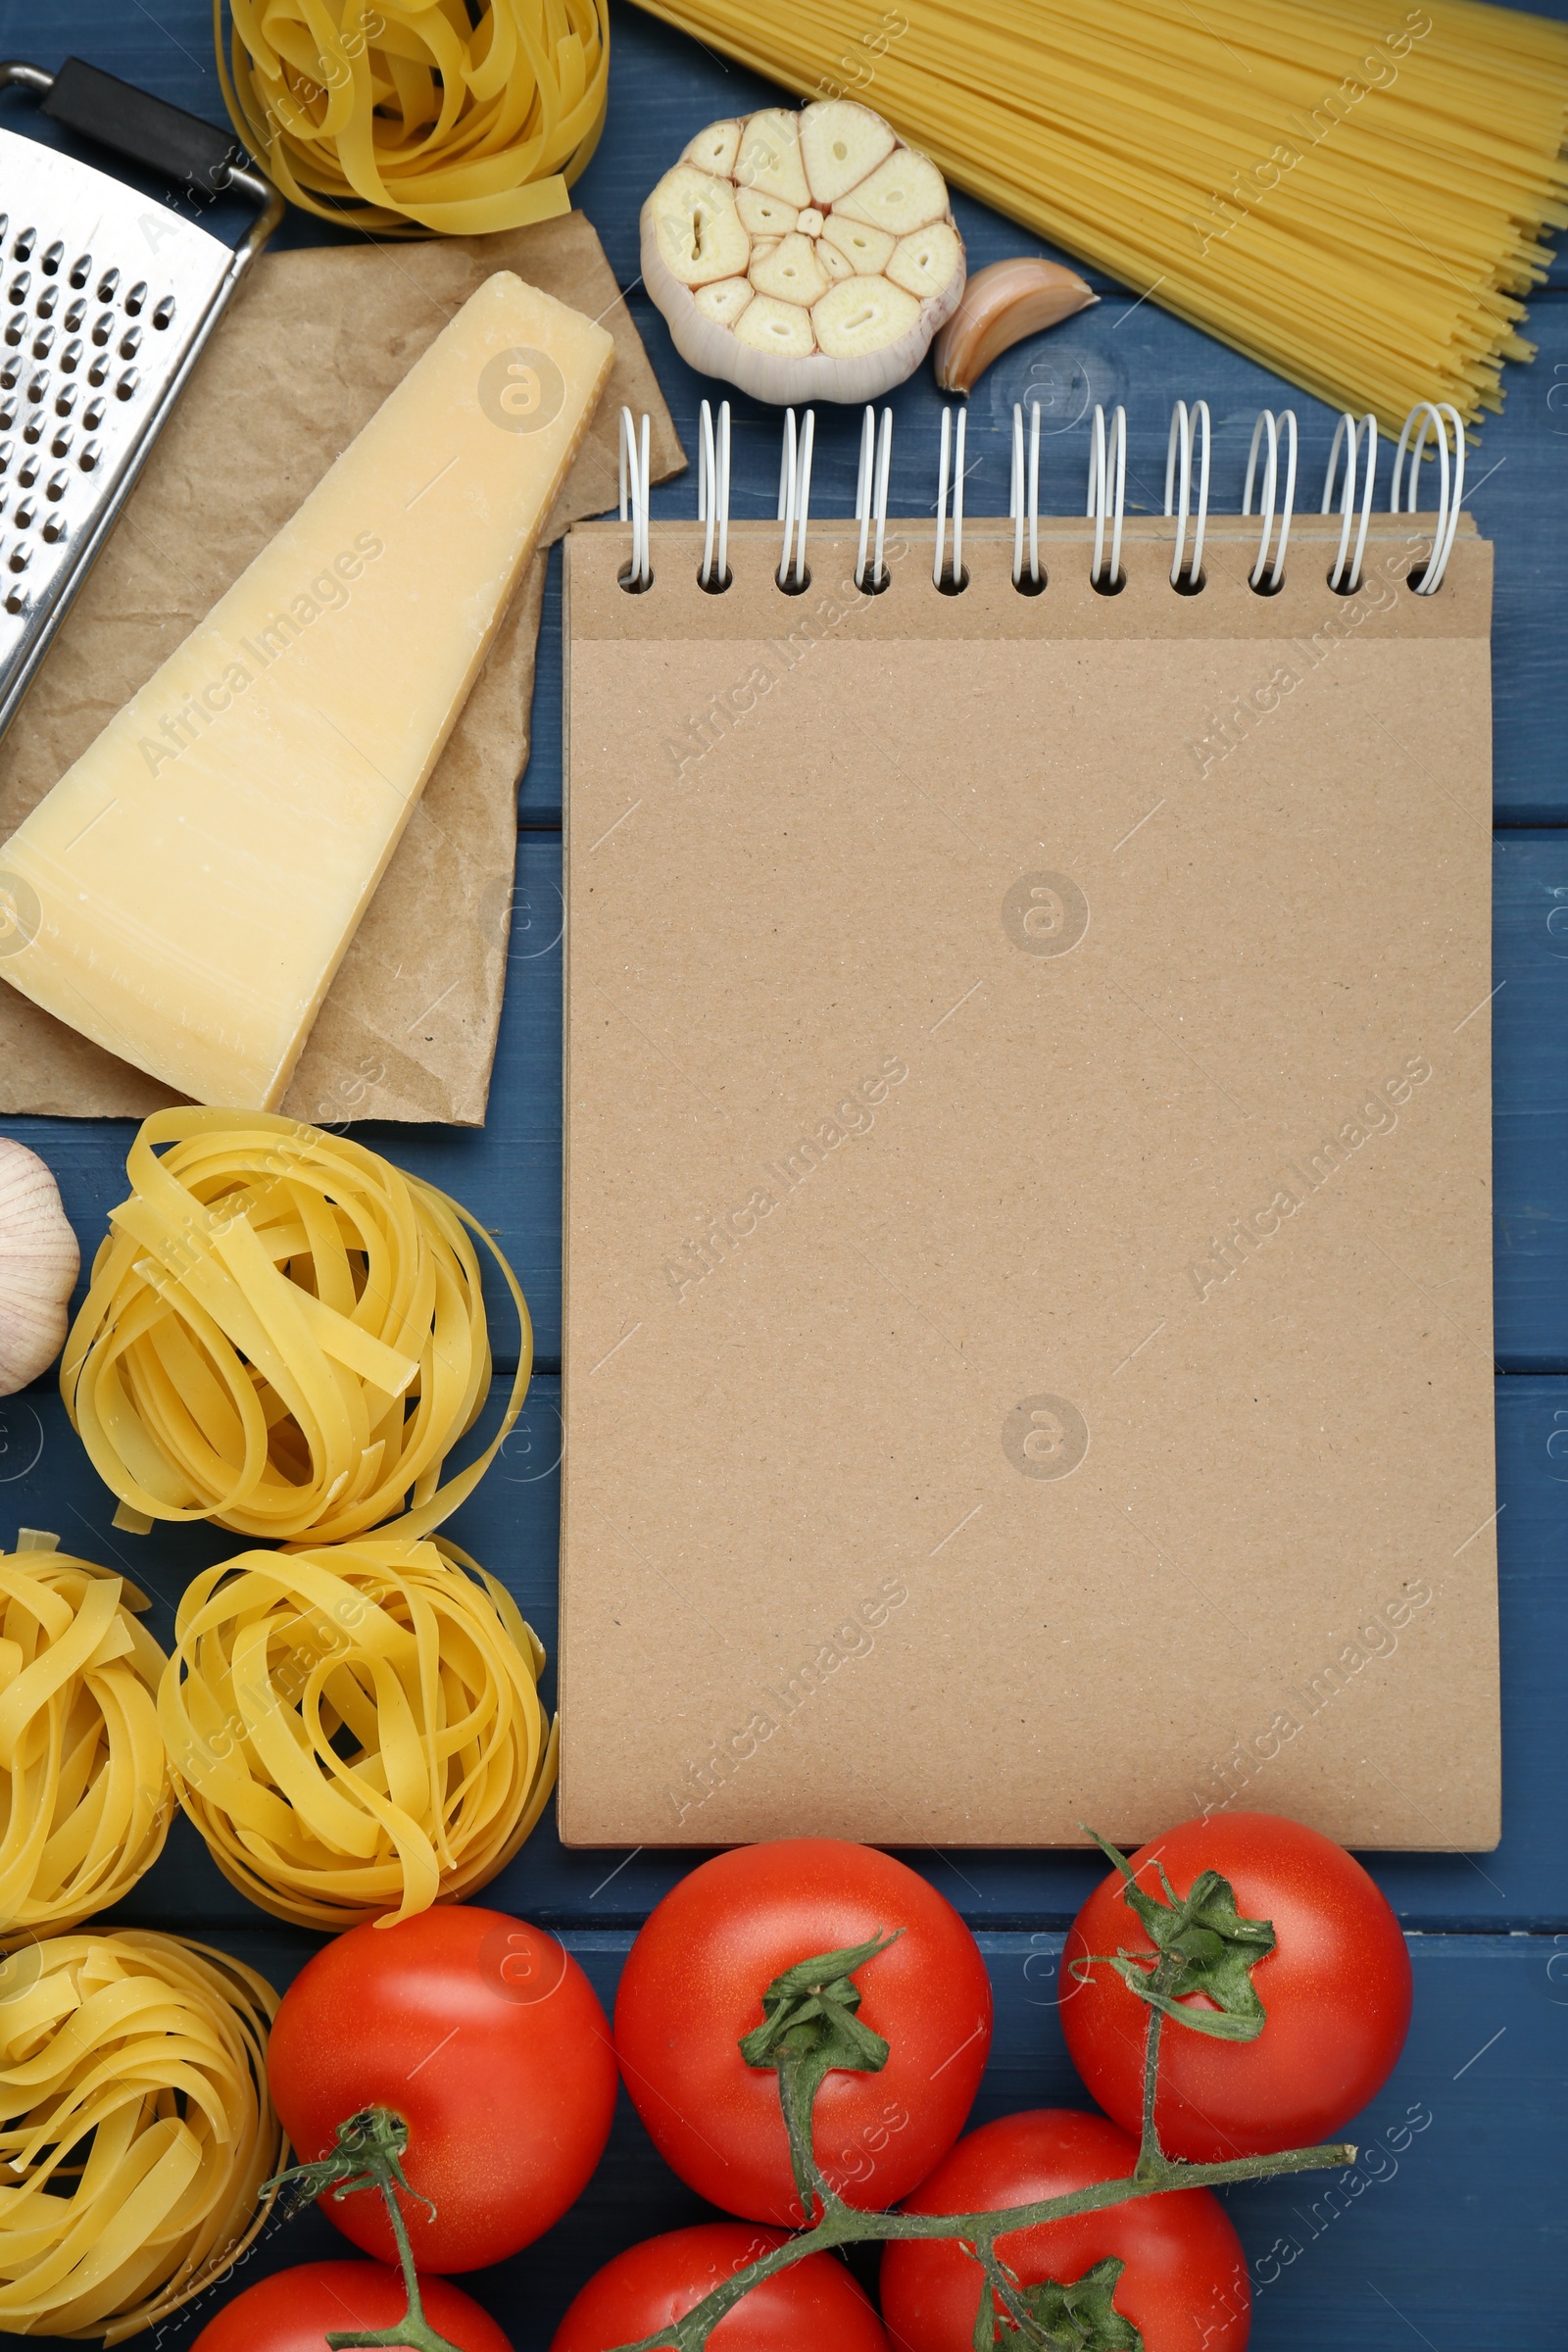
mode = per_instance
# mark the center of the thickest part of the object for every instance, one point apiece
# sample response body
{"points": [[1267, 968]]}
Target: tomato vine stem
{"points": [[368, 2153]]}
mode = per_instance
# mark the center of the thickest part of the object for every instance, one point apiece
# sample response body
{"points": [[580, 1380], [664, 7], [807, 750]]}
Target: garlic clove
{"points": [[809, 222], [715, 149], [764, 216], [832, 263], [1000, 305], [841, 144], [770, 157], [863, 315], [700, 233], [725, 301], [926, 263], [38, 1264], [790, 273], [906, 193], [782, 329], [867, 251]]}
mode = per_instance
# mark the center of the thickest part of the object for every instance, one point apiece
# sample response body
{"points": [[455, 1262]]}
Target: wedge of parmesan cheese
{"points": [[186, 893]]}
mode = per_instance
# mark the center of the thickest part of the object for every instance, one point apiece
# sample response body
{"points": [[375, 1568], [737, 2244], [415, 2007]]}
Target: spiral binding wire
{"points": [[1269, 423], [1349, 434], [1026, 498], [1107, 494], [950, 465], [1438, 417], [634, 499], [795, 497], [871, 497], [1184, 430], [712, 495]]}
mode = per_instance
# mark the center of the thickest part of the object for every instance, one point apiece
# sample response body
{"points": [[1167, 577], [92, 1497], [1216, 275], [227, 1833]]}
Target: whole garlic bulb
{"points": [[38, 1264], [804, 257]]}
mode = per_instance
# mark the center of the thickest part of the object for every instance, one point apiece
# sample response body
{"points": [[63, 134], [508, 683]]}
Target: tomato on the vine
{"points": [[1184, 2285], [693, 1985], [815, 2304], [1336, 1992], [484, 2036], [292, 2311]]}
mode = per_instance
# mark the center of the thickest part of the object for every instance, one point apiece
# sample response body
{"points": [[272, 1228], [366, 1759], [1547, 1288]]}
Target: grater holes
{"points": [[92, 451], [65, 399], [60, 446], [53, 258], [21, 557], [21, 285], [8, 375], [109, 286], [129, 343], [76, 314], [8, 450], [17, 601], [58, 485], [16, 326], [43, 342], [26, 239], [103, 326], [8, 415], [92, 415], [33, 430], [47, 301], [163, 315], [97, 374], [129, 384], [39, 384], [136, 299], [70, 357], [22, 519], [81, 267], [54, 529], [28, 472]]}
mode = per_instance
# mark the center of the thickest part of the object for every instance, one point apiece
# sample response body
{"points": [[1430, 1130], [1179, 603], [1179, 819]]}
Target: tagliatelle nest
{"points": [[283, 1333], [355, 1729], [84, 1787], [136, 2127]]}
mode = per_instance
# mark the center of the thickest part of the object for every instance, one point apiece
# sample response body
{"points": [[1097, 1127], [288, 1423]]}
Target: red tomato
{"points": [[292, 2311], [1336, 1989], [815, 2305], [693, 1985], [486, 2037], [1184, 2285]]}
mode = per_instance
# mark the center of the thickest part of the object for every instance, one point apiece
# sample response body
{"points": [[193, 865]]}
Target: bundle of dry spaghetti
{"points": [[355, 1729], [1351, 194], [135, 2129], [283, 1333], [402, 115], [84, 1777]]}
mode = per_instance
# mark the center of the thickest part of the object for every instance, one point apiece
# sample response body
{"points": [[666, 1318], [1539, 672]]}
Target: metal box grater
{"points": [[107, 297]]}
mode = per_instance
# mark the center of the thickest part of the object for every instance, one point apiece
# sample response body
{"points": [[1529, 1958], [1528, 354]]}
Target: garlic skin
{"points": [[38, 1265], [803, 256], [1002, 304]]}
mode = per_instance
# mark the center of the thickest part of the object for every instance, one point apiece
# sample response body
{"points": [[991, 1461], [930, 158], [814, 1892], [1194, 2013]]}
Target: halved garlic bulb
{"points": [[804, 257]]}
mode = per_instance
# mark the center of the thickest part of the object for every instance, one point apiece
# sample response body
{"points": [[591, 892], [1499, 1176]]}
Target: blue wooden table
{"points": [[1450, 2232]]}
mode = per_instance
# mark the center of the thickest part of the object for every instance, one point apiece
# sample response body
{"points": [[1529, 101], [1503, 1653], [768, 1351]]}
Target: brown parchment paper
{"points": [[310, 349], [1028, 1251]]}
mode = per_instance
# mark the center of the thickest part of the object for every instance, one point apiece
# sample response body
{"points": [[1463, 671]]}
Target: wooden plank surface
{"points": [[1455, 2239]]}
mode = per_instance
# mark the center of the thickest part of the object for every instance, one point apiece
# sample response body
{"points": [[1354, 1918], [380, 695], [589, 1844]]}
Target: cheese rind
{"points": [[186, 893]]}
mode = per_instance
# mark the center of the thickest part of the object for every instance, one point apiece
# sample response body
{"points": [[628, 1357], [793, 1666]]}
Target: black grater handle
{"points": [[147, 131]]}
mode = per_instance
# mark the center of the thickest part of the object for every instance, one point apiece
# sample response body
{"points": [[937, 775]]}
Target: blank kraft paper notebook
{"points": [[1028, 1336]]}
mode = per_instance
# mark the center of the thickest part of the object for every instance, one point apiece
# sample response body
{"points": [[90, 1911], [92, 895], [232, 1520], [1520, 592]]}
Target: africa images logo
{"points": [[522, 390]]}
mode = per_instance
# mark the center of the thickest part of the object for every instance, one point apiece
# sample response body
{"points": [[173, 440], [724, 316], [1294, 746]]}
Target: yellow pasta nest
{"points": [[135, 2129], [357, 1732], [283, 1333], [85, 1798], [411, 114]]}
